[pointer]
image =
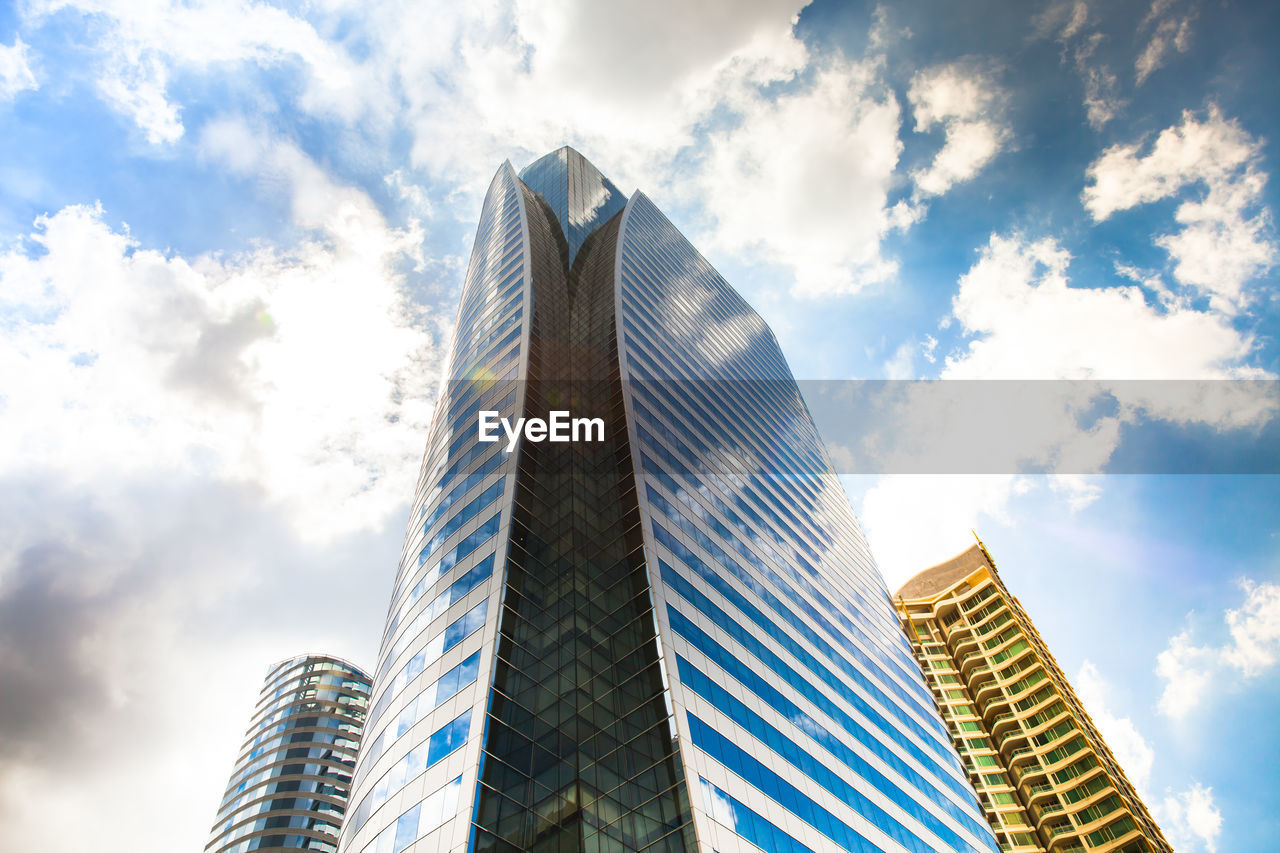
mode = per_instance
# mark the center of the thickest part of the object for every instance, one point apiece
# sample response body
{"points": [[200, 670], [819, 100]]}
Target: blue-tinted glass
{"points": [[819, 772], [581, 198], [448, 738], [406, 829], [748, 824]]}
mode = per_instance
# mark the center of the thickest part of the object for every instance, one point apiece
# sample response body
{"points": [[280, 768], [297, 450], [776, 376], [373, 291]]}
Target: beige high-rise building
{"points": [[1044, 776]]}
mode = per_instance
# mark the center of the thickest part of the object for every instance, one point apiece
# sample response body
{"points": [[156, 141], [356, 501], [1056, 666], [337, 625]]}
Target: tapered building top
{"points": [[668, 638], [578, 194]]}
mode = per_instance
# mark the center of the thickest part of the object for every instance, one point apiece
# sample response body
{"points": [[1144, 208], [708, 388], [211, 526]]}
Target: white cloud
{"points": [[967, 102], [1226, 235], [810, 160], [1082, 38], [928, 347], [1255, 630], [803, 181], [413, 194], [914, 521], [1171, 33], [303, 371], [901, 365], [1150, 280], [1102, 103], [140, 48], [516, 79], [1030, 322], [1067, 22], [1191, 819], [1192, 672], [1211, 152], [15, 70], [138, 612], [137, 89], [1062, 19], [1187, 672], [185, 443], [1026, 320], [670, 46], [1128, 745]]}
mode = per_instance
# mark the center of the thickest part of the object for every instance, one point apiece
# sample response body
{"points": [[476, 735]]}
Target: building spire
{"points": [[985, 553]]}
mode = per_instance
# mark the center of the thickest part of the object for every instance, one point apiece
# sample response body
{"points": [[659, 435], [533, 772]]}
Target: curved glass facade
{"points": [[290, 784], [578, 753], [436, 659], [670, 639], [794, 691]]}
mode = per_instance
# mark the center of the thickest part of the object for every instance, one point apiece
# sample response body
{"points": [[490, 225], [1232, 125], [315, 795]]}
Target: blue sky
{"points": [[232, 237]]}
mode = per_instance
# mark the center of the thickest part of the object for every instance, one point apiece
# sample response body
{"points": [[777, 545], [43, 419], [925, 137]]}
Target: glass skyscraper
{"points": [[290, 783], [672, 638]]}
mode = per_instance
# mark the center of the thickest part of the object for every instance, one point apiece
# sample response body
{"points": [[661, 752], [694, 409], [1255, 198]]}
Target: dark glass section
{"points": [[579, 196], [579, 755]]}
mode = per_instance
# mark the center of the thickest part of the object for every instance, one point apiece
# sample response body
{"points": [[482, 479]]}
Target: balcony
{"points": [[978, 690], [1025, 675], [977, 672], [1033, 791], [1056, 830], [1023, 753], [996, 707], [969, 664], [1002, 725], [1048, 810], [1028, 771]]}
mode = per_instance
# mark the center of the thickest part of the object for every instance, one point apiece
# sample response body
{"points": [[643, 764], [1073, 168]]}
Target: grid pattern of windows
{"points": [[290, 784], [772, 594], [578, 632], [436, 654], [578, 754], [727, 811], [1045, 778]]}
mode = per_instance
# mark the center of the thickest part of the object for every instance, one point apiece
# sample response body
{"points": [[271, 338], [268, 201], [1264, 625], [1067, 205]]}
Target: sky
{"points": [[232, 239]]}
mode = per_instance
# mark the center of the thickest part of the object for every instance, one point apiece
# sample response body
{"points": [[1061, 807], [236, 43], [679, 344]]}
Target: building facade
{"points": [[1044, 775], [291, 780], [672, 638]]}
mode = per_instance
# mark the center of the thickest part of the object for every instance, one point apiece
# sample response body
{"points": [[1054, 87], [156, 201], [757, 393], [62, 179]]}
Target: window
{"points": [[1121, 827]]}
